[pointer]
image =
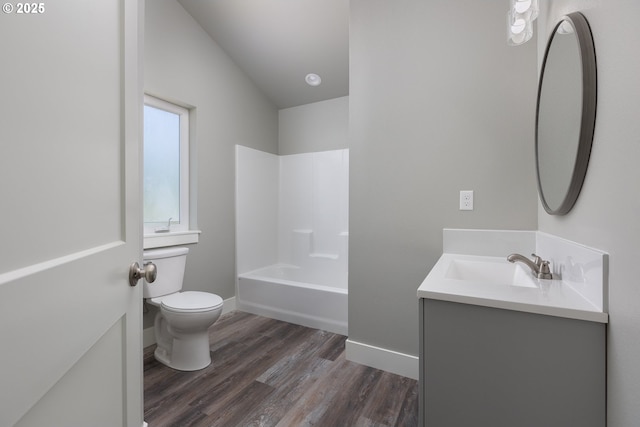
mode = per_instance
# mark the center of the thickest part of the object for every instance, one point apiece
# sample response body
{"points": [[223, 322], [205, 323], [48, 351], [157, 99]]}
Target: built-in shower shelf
{"points": [[326, 256]]}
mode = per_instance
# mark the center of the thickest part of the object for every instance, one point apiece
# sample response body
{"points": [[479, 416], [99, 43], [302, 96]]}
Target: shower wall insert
{"points": [[292, 236]]}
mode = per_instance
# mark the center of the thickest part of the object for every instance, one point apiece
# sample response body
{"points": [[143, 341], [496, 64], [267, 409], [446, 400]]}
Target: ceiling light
{"points": [[313, 79]]}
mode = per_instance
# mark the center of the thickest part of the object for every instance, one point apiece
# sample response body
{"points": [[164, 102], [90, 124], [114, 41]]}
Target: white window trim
{"points": [[179, 234], [173, 238]]}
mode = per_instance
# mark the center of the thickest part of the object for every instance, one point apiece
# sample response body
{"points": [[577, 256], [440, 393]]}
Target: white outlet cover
{"points": [[466, 200]]}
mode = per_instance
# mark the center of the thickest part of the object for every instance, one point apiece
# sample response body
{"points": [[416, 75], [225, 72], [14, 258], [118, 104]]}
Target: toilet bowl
{"points": [[182, 324]]}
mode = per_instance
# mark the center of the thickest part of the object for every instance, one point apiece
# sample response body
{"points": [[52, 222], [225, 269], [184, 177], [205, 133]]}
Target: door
{"points": [[70, 108]]}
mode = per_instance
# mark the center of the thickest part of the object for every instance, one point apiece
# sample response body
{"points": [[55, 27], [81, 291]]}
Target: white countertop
{"points": [[549, 297]]}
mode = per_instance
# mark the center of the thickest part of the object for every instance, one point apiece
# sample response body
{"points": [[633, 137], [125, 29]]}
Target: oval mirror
{"points": [[565, 115]]}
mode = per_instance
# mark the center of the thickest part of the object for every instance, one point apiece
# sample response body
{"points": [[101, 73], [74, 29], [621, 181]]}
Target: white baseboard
{"points": [[229, 305], [382, 358], [149, 336]]}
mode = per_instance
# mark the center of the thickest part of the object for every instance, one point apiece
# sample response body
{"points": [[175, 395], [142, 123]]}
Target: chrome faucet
{"points": [[539, 267]]}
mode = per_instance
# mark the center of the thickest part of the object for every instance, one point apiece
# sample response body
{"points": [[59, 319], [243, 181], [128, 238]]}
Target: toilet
{"points": [[182, 324]]}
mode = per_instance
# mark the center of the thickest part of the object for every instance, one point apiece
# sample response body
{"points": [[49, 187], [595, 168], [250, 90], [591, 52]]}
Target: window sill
{"points": [[172, 238]]}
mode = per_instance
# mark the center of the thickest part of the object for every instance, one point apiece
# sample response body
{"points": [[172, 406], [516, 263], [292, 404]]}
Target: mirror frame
{"points": [[588, 117]]}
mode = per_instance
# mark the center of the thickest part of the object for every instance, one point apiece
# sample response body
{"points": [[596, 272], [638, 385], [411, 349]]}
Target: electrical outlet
{"points": [[466, 200]]}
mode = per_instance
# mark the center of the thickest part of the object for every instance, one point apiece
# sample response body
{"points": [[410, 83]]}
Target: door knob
{"points": [[148, 272]]}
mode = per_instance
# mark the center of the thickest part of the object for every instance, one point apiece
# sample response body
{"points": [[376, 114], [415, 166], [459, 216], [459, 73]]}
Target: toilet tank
{"points": [[170, 263]]}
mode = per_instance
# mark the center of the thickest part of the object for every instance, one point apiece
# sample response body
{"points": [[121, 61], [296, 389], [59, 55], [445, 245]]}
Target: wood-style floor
{"points": [[271, 373]]}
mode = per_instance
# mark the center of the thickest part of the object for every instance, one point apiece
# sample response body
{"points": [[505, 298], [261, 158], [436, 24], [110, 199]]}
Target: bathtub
{"points": [[292, 294]]}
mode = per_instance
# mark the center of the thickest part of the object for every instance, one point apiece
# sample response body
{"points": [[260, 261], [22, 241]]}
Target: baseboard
{"points": [[382, 358], [149, 336], [229, 305]]}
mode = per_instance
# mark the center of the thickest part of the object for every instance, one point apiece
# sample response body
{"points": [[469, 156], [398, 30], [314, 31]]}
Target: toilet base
{"points": [[188, 352]]}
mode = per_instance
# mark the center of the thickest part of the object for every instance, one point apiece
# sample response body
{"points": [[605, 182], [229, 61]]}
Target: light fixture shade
{"points": [[565, 27], [519, 28], [525, 7]]}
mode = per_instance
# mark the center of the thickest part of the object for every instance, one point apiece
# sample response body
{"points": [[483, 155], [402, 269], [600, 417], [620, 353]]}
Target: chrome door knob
{"points": [[148, 272]]}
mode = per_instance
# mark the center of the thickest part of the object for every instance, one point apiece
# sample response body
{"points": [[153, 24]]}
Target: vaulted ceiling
{"points": [[278, 42]]}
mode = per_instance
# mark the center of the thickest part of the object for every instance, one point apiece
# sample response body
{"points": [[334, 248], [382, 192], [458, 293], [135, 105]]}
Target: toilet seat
{"points": [[190, 302]]}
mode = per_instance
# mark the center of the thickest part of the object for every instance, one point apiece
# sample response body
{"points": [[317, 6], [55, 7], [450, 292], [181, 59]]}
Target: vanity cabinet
{"points": [[490, 367]]}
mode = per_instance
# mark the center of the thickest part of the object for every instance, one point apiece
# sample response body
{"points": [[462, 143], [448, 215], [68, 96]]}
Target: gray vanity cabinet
{"points": [[488, 367]]}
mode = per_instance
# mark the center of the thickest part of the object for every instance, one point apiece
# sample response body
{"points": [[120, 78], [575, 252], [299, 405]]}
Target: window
{"points": [[166, 174]]}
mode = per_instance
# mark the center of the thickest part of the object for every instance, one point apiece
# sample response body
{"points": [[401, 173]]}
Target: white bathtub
{"points": [[287, 293]]}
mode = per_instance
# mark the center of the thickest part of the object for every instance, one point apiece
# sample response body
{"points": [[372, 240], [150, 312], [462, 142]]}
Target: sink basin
{"points": [[496, 272], [491, 281]]}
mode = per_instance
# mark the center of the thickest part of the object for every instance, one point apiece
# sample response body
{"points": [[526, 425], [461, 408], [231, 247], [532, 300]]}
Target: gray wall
{"points": [[438, 103], [320, 126], [184, 64], [606, 214]]}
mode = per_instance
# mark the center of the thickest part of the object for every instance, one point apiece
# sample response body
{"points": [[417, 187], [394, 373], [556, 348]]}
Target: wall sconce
{"points": [[520, 19]]}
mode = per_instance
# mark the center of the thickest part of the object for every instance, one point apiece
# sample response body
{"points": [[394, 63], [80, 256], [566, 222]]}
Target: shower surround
{"points": [[292, 236]]}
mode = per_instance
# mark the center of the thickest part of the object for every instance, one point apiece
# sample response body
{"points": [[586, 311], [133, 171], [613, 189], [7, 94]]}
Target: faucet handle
{"points": [[545, 271]]}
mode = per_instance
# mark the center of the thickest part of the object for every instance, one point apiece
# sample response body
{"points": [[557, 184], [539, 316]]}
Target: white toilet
{"points": [[181, 325]]}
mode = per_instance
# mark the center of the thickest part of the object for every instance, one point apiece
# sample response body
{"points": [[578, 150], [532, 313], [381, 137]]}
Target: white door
{"points": [[70, 107]]}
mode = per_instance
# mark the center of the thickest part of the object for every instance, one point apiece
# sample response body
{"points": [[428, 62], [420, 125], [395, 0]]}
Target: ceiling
{"points": [[278, 42]]}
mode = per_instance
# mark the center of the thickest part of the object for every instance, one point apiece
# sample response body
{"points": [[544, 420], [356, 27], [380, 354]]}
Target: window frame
{"points": [[179, 232]]}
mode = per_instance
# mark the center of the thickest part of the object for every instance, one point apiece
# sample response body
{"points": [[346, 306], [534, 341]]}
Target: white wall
{"points": [[606, 215], [313, 215], [438, 103], [182, 63], [257, 178], [319, 126], [294, 210]]}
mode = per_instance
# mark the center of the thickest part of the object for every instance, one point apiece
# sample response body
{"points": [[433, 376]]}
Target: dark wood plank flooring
{"points": [[271, 373]]}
